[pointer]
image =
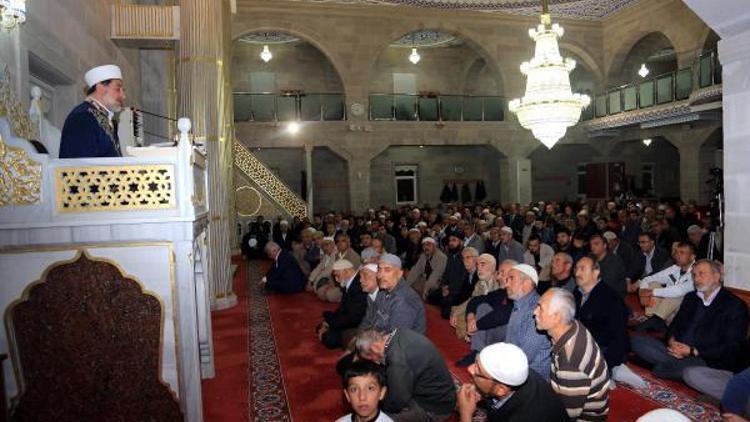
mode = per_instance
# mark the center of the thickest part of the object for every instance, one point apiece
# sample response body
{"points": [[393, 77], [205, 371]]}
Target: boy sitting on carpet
{"points": [[365, 387]]}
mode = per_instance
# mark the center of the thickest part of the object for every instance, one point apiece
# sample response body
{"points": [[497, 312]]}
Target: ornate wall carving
{"points": [[109, 188], [86, 341], [20, 177]]}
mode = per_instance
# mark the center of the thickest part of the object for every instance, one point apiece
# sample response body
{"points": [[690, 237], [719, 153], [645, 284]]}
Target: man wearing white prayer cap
{"points": [[340, 326], [90, 129], [511, 390]]}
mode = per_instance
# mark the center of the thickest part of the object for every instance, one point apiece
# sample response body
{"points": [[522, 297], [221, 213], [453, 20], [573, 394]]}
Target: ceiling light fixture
{"points": [[12, 13], [549, 106], [647, 141], [266, 55], [414, 57], [643, 71]]}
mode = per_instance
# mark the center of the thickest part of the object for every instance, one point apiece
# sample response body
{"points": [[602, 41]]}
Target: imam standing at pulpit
{"points": [[89, 129]]}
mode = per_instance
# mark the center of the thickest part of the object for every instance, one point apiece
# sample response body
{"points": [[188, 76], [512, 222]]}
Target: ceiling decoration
{"points": [[424, 39], [574, 9], [268, 38]]}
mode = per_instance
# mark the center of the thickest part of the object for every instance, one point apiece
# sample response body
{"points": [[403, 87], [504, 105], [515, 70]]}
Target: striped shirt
{"points": [[580, 376]]}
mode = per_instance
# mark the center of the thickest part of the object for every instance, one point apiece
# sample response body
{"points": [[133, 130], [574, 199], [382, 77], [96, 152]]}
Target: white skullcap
{"points": [[529, 271], [429, 240], [283, 223], [329, 239], [368, 253], [609, 235], [457, 215], [390, 259], [311, 229], [505, 363], [421, 224], [663, 415], [506, 229], [101, 74], [371, 267], [414, 229], [342, 264]]}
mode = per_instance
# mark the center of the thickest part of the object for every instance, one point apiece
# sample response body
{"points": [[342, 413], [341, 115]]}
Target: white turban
{"points": [[529, 271], [505, 363], [101, 74], [663, 415]]}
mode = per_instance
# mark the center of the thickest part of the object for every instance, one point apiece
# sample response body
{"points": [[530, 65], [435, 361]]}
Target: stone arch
{"points": [[665, 156], [587, 59], [619, 58], [472, 40], [315, 38], [709, 40]]}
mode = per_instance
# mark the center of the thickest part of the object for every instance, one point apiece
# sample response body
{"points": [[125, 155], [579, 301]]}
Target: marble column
{"points": [[731, 20], [515, 180], [309, 179], [202, 96]]}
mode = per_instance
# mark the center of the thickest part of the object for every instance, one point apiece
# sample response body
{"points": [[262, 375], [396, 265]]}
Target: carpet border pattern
{"points": [[267, 396]]}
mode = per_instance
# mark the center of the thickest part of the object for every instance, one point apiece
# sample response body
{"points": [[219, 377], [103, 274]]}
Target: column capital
{"points": [[309, 145]]}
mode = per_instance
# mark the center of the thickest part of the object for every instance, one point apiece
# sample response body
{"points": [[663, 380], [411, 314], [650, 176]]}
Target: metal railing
{"points": [[661, 89], [272, 107], [459, 108]]}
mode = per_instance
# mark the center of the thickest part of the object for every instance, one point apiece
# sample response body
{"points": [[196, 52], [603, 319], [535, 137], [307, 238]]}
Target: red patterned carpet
{"points": [[292, 377]]}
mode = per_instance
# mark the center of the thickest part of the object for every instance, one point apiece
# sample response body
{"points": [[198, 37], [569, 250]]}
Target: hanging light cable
{"points": [[549, 106]]}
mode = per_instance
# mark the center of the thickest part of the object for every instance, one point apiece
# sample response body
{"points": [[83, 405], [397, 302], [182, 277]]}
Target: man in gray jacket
{"points": [[399, 306], [420, 388], [509, 248]]}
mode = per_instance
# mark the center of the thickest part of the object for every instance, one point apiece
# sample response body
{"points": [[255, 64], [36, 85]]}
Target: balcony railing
{"points": [[457, 108], [269, 107], [662, 89]]}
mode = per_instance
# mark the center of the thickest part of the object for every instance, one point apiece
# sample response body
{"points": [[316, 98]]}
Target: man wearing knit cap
{"points": [[511, 391], [340, 326], [521, 329], [90, 129], [401, 305]]}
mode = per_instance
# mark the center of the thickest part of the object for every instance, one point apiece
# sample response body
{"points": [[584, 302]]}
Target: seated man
{"points": [[579, 371], [512, 392], [661, 293], [425, 275], [344, 250], [651, 259], [521, 329], [487, 315], [473, 239], [368, 279], [604, 314], [626, 253], [420, 388], [304, 250], [509, 248], [320, 279], [340, 326], [453, 288], [284, 276], [539, 255], [485, 283], [561, 274], [708, 330], [400, 306], [611, 265]]}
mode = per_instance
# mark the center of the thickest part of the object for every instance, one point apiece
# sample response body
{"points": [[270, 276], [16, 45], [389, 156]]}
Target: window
{"points": [[647, 179], [406, 184]]}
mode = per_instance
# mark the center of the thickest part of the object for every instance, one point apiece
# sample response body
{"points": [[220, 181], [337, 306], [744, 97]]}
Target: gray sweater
{"points": [[400, 308]]}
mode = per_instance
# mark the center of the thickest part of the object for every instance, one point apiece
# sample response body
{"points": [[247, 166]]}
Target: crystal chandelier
{"points": [[414, 57], [549, 106], [266, 55], [12, 13]]}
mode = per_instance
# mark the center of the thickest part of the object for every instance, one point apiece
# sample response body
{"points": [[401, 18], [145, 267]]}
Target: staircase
{"points": [[284, 197]]}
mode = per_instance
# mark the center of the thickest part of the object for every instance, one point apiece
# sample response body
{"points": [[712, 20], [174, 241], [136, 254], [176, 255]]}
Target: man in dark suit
{"points": [[604, 313], [283, 236], [612, 267], [511, 391], [625, 252], [340, 326], [284, 276], [708, 330], [651, 259]]}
